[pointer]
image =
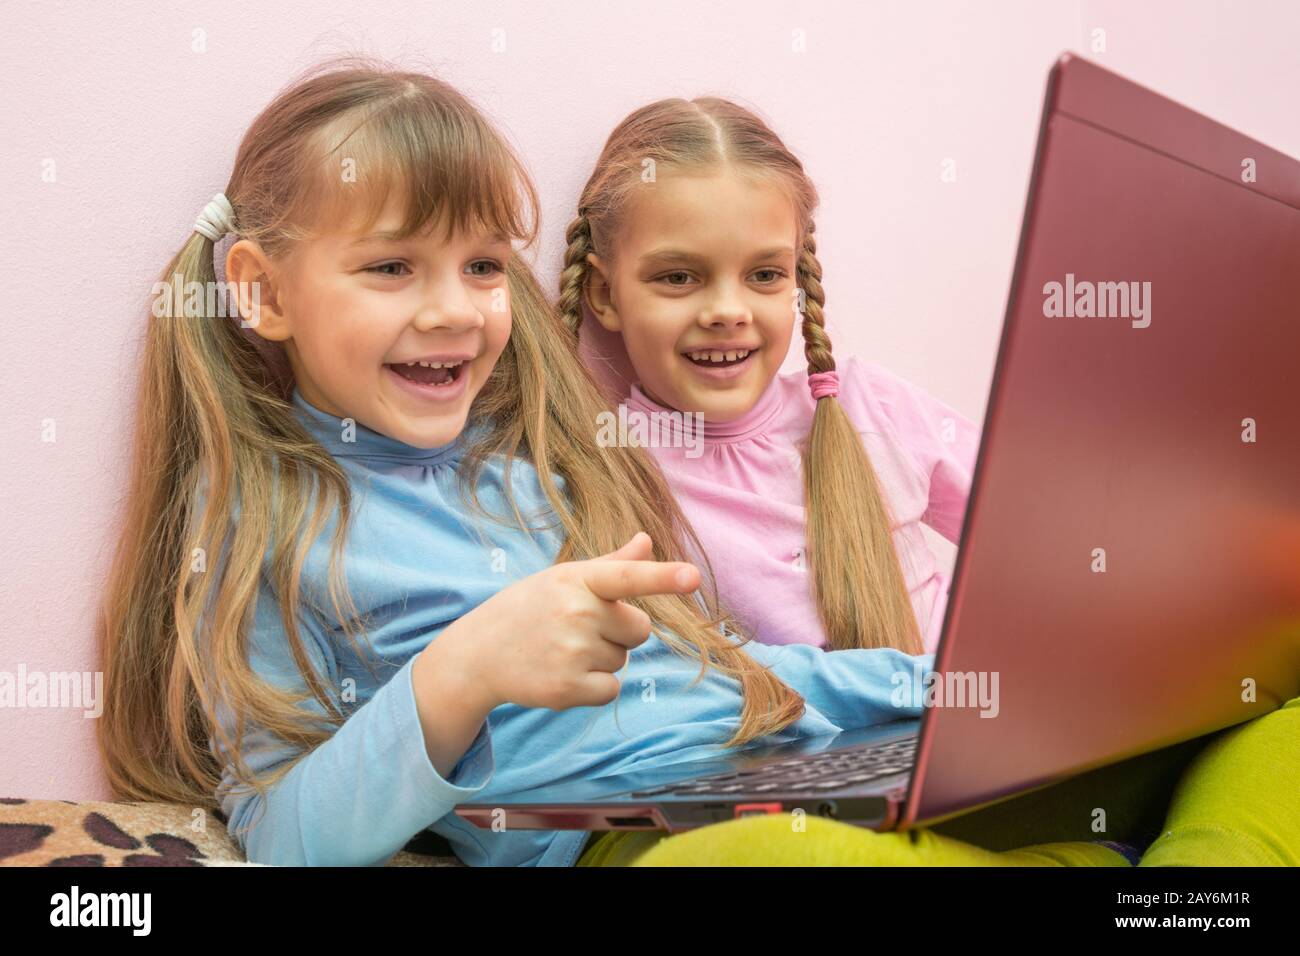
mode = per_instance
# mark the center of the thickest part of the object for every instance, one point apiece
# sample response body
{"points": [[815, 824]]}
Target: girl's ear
{"points": [[596, 291], [249, 270]]}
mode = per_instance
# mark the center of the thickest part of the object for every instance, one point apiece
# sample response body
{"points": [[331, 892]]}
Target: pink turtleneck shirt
{"points": [[743, 492]]}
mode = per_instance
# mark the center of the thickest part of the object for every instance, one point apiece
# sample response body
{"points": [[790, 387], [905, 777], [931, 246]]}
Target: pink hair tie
{"points": [[824, 383]]}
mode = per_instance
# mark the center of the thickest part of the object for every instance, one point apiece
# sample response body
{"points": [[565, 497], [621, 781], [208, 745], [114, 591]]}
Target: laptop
{"points": [[1129, 563]]}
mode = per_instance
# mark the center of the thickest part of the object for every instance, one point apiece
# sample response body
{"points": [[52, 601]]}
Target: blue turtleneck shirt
{"points": [[417, 559]]}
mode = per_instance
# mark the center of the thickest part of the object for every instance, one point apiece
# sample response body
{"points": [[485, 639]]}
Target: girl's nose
{"points": [[725, 313], [726, 308], [449, 307]]}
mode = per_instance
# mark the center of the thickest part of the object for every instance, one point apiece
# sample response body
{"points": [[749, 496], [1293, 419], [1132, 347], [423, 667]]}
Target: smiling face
{"points": [[701, 286], [398, 334]]}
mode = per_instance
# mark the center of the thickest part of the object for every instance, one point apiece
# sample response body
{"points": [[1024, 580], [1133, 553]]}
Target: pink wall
{"points": [[141, 131]]}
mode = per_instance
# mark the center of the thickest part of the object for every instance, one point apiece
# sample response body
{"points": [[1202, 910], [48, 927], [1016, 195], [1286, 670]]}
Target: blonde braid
{"points": [[817, 344], [860, 587], [576, 268]]}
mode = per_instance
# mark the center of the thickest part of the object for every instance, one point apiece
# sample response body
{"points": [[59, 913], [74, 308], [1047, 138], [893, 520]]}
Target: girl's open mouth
{"points": [[432, 380], [720, 364]]}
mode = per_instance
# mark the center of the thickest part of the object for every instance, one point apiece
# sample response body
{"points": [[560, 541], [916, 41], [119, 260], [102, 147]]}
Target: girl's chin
{"points": [[720, 405], [728, 414], [409, 433]]}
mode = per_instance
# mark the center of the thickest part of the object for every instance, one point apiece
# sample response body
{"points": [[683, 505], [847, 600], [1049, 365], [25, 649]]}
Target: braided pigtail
{"points": [[859, 587], [576, 268]]}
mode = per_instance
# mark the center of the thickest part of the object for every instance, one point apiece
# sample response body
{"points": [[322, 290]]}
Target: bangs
{"points": [[447, 167]]}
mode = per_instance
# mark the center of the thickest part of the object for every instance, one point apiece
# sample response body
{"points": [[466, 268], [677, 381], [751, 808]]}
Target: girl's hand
{"points": [[556, 638]]}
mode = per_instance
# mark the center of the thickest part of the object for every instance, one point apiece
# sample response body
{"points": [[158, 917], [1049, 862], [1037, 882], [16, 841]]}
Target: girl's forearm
{"points": [[450, 706]]}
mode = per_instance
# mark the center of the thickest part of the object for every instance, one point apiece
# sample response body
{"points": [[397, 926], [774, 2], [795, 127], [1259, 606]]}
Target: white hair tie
{"points": [[217, 218]]}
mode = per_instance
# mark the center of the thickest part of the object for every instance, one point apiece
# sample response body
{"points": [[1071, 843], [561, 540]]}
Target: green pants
{"points": [[1231, 798]]}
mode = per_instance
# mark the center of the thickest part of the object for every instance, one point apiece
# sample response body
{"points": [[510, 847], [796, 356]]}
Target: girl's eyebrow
{"points": [[387, 236], [681, 254], [671, 254], [392, 236]]}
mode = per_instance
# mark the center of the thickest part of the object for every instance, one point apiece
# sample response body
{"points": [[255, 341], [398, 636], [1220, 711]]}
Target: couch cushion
{"points": [[91, 833]]}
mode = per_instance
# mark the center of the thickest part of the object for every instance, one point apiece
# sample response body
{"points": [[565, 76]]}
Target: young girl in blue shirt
{"points": [[404, 573], [374, 562]]}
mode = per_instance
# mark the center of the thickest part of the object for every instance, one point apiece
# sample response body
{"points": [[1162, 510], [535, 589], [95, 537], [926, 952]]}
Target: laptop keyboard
{"points": [[833, 770]]}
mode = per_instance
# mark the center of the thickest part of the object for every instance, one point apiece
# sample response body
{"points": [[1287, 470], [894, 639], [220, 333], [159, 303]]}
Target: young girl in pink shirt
{"points": [[694, 241]]}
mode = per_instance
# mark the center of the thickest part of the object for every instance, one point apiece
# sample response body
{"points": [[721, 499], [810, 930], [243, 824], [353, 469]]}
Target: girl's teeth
{"points": [[435, 364], [712, 356]]}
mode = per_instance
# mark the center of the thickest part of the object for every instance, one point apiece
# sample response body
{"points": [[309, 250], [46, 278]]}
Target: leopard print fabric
{"points": [[64, 833]]}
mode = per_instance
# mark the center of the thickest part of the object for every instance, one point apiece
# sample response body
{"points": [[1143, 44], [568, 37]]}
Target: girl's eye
{"points": [[493, 267], [668, 276], [384, 267], [776, 275]]}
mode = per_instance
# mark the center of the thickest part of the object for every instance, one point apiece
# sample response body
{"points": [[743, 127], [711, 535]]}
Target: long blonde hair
{"points": [[215, 428], [859, 588]]}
